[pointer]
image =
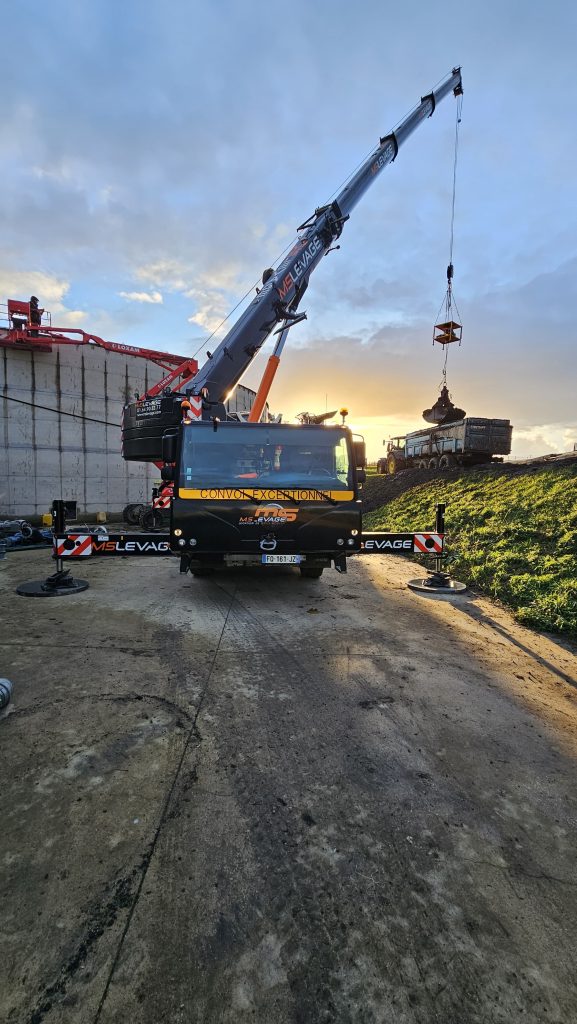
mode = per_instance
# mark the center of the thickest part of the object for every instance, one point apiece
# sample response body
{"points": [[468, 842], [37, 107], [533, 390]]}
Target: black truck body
{"points": [[266, 493]]}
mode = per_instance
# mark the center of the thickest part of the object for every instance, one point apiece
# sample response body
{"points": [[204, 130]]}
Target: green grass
{"points": [[514, 537]]}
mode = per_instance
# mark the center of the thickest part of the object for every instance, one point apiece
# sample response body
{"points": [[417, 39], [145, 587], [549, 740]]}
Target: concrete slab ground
{"points": [[256, 798]]}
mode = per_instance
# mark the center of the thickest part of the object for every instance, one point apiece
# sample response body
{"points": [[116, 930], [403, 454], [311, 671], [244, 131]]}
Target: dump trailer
{"points": [[471, 441]]}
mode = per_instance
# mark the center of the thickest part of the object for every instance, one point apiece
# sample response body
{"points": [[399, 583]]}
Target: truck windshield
{"points": [[247, 456]]}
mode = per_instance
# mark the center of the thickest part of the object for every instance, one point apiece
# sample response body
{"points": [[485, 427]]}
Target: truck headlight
{"points": [[340, 540], [192, 542], [178, 533], [182, 542]]}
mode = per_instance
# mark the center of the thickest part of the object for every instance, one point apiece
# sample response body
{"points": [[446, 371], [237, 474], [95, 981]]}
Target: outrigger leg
{"points": [[61, 583], [438, 582]]}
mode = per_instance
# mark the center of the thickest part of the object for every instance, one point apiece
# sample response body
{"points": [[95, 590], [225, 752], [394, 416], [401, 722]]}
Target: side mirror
{"points": [[360, 453], [169, 442]]}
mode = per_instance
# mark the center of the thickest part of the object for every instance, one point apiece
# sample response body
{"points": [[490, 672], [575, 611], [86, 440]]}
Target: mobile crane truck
{"points": [[267, 492], [249, 491]]}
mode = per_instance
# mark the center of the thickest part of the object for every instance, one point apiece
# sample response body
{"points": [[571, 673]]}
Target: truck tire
{"points": [[447, 461], [433, 462], [151, 519], [422, 464], [311, 572], [382, 466], [130, 513], [391, 465]]}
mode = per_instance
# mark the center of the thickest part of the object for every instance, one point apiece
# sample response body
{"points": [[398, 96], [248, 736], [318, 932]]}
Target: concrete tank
{"points": [[61, 413]]}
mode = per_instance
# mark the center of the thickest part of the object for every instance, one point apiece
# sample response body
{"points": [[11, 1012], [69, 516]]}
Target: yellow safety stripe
{"points": [[261, 493]]}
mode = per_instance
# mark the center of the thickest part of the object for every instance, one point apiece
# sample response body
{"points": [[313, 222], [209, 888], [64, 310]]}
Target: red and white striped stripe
{"points": [[74, 545], [163, 501], [195, 407], [428, 543]]}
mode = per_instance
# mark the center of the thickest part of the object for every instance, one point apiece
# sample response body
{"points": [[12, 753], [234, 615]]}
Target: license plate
{"points": [[282, 559]]}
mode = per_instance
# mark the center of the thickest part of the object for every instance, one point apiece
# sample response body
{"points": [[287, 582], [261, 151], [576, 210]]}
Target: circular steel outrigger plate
{"points": [[437, 583], [61, 584]]}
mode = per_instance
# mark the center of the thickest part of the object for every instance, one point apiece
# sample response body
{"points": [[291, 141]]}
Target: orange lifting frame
{"points": [[449, 332]]}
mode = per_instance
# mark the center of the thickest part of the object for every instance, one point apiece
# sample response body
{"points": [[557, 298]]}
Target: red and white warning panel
{"points": [[73, 545], [163, 501], [191, 408], [428, 543], [196, 407]]}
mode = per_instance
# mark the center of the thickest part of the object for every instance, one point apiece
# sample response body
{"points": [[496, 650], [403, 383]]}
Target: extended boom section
{"points": [[275, 306], [277, 301]]}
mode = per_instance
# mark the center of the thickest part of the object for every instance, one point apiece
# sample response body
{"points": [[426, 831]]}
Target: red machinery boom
{"points": [[41, 338]]}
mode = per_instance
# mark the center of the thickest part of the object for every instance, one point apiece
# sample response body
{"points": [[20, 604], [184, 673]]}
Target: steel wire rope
{"points": [[449, 301], [455, 158], [61, 412], [242, 299]]}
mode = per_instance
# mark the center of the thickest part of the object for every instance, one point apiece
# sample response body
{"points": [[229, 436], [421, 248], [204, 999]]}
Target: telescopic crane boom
{"points": [[277, 302], [274, 308]]}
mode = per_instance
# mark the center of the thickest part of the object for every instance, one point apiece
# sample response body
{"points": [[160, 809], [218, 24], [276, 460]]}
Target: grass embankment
{"points": [[514, 537]]}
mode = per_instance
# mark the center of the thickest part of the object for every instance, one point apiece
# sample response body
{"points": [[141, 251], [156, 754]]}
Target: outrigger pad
{"points": [[60, 584], [437, 583]]}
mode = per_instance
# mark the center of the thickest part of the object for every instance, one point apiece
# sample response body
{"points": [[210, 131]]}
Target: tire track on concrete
{"points": [[109, 905], [333, 911], [192, 733], [103, 916], [303, 877], [110, 698]]}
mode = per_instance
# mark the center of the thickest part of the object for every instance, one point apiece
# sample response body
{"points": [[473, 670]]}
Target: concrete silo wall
{"points": [[61, 414], [60, 430]]}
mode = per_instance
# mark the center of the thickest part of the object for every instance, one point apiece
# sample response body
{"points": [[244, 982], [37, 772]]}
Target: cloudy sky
{"points": [[156, 157]]}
